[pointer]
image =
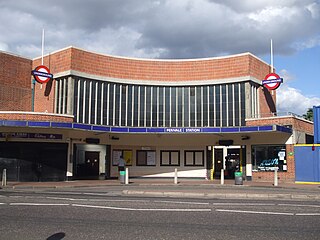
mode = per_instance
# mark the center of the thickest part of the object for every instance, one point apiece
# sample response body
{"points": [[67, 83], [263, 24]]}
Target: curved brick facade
{"points": [[236, 67], [160, 70]]}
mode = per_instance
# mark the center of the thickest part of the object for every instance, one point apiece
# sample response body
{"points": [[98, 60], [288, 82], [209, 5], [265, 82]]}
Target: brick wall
{"points": [[267, 101], [288, 176], [35, 117], [44, 93], [296, 123], [15, 82]]}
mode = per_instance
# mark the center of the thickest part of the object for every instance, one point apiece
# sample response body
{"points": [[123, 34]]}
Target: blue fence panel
{"points": [[316, 121], [307, 163]]}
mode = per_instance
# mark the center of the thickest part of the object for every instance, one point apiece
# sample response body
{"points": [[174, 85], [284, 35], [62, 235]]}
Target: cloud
{"points": [[3, 46], [292, 100], [162, 28]]}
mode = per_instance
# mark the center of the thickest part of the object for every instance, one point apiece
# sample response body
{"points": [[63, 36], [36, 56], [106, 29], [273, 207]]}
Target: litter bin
{"points": [[238, 178], [122, 176]]}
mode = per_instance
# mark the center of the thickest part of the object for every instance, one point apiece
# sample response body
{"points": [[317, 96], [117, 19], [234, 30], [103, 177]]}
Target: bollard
{"points": [[4, 178], [127, 176], [222, 177], [275, 177], [175, 176]]}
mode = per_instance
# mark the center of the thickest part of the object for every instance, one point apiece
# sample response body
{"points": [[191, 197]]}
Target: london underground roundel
{"points": [[272, 81], [42, 74]]}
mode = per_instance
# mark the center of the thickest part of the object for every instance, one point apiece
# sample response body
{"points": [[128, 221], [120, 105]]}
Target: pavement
{"points": [[185, 188]]}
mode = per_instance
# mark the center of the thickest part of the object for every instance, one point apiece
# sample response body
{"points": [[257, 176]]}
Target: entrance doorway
{"points": [[89, 168], [227, 158]]}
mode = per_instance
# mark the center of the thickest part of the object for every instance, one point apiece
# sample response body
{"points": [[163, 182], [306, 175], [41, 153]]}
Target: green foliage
{"points": [[308, 115]]}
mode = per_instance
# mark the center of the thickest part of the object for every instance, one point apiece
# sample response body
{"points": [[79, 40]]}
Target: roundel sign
{"points": [[42, 74], [272, 81]]}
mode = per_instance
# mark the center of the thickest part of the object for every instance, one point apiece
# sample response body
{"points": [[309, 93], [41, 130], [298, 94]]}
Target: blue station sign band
{"points": [[42, 74], [277, 80]]}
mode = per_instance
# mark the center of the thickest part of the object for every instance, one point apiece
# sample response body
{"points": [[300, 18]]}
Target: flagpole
{"points": [[42, 46], [271, 55]]}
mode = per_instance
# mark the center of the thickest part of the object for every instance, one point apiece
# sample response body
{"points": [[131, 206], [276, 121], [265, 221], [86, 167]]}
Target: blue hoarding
{"points": [[316, 121]]}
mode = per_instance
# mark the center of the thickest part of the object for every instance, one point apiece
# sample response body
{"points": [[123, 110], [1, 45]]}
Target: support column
{"points": [[248, 99], [70, 160], [248, 163], [70, 96]]}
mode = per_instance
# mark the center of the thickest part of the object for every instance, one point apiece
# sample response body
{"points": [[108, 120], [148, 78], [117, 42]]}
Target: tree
{"points": [[308, 115]]}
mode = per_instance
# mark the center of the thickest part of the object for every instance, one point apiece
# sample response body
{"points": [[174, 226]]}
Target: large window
{"points": [[146, 158], [267, 157], [194, 158], [170, 158], [117, 104]]}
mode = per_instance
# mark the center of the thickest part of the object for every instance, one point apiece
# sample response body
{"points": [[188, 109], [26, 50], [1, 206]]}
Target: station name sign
{"points": [[181, 130], [46, 136], [272, 81], [42, 74]]}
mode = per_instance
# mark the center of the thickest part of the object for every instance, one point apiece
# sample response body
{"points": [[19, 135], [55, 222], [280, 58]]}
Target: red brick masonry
{"points": [[35, 117]]}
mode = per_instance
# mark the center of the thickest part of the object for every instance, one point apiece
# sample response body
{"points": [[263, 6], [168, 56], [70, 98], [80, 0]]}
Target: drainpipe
{"points": [[33, 81]]}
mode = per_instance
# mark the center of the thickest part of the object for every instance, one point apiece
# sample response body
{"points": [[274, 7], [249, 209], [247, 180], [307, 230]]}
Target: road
{"points": [[92, 215]]}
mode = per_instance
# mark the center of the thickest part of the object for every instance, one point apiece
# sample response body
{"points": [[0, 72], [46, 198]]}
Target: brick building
{"points": [[196, 115]]}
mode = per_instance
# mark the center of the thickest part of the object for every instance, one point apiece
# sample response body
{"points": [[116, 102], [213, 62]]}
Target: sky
{"points": [[178, 29]]}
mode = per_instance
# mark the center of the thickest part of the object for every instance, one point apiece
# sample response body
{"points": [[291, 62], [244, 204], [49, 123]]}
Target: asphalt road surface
{"points": [[67, 215]]}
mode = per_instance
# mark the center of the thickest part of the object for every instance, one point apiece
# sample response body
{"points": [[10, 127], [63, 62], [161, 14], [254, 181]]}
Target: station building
{"points": [[194, 115]]}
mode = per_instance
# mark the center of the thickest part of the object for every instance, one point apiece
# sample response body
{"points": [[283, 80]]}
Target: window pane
{"points": [[142, 105], [175, 158], [165, 158], [230, 104], [129, 106], [111, 94], [224, 105], [173, 107], [267, 157], [192, 107], [199, 159], [167, 106], [148, 106], [199, 106], [136, 104], [217, 106], [189, 158], [99, 97], [243, 104], [141, 158], [117, 105], [93, 102], [123, 104], [154, 106], [236, 104], [87, 112], [180, 106], [211, 106], [161, 109], [186, 107], [105, 103], [205, 106]]}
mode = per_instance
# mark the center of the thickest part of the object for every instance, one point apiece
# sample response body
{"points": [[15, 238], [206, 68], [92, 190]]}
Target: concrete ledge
{"points": [[223, 195]]}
